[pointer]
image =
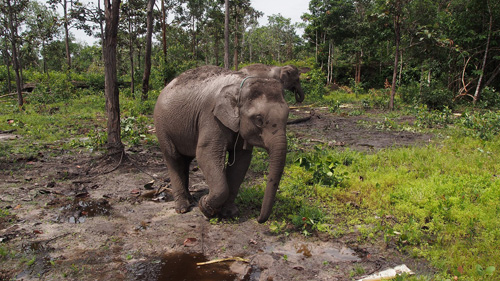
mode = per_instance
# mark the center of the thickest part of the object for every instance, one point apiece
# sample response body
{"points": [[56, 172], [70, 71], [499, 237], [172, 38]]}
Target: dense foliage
{"points": [[448, 54]]}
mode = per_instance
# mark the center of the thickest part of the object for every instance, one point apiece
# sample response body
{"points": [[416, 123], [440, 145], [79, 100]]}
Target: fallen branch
{"points": [[303, 106], [300, 120], [8, 95], [223, 260]]}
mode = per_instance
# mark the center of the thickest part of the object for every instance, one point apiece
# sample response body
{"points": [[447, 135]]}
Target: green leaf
{"points": [[489, 270]]}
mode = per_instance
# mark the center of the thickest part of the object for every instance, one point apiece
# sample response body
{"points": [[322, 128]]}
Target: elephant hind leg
{"points": [[179, 178]]}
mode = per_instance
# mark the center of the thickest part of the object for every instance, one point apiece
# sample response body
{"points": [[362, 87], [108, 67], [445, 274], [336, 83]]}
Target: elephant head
{"points": [[288, 75], [290, 78], [257, 111]]}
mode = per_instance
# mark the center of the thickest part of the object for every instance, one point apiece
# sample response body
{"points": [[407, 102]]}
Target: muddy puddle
{"points": [[297, 251], [182, 266], [82, 208], [39, 259]]}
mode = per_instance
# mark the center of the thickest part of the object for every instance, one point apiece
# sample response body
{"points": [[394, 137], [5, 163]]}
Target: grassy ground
{"points": [[439, 202]]}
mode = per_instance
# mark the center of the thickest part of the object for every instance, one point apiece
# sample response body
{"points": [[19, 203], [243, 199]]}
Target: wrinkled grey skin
{"points": [[289, 75], [204, 113]]}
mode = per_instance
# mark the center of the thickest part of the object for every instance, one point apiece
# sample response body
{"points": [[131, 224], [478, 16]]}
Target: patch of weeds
{"points": [[293, 143], [308, 219], [276, 227], [5, 252], [433, 118], [214, 221], [4, 213], [357, 270], [135, 129], [322, 164], [250, 197], [484, 272], [31, 261], [356, 112], [379, 98], [260, 163], [484, 126], [334, 106]]}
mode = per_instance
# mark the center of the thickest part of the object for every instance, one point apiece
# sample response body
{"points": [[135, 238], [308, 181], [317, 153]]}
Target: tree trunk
{"points": [[45, 61], [131, 56], [147, 59], [15, 59], [164, 30], [477, 93], [226, 35], [7, 63], [235, 58], [112, 12], [66, 34], [216, 49], [101, 28], [397, 39]]}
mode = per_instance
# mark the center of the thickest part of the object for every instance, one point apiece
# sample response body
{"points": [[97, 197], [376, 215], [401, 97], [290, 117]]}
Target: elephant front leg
{"points": [[211, 162], [239, 161]]}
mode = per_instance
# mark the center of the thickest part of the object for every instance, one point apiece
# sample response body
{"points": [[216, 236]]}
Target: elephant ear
{"points": [[226, 107], [285, 74]]}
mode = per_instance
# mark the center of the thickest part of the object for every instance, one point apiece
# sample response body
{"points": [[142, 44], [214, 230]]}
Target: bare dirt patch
{"points": [[74, 216]]}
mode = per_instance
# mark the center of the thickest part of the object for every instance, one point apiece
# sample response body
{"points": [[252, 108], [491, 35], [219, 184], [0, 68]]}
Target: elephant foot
{"points": [[182, 206], [208, 211], [230, 211]]}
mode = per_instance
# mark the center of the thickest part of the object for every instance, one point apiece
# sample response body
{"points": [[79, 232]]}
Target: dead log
{"points": [[299, 120]]}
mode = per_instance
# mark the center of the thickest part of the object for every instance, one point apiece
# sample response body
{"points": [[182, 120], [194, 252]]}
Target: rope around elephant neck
{"points": [[234, 151], [238, 136]]}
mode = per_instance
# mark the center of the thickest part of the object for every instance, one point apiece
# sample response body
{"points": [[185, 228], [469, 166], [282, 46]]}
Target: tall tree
{"points": [[226, 34], [42, 27], [112, 14], [147, 64], [397, 39], [66, 24], [11, 10], [485, 58]]}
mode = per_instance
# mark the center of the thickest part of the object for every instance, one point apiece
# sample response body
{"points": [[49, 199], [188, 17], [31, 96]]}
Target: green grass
{"points": [[439, 202], [77, 122]]}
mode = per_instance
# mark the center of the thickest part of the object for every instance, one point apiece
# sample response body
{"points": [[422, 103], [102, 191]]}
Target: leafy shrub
{"points": [[434, 118], [95, 80], [314, 84], [53, 88], [434, 97], [481, 125], [490, 98], [378, 98], [322, 165], [410, 94]]}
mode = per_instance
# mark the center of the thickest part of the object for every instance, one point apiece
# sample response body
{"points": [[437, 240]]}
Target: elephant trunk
{"points": [[277, 158], [299, 94]]}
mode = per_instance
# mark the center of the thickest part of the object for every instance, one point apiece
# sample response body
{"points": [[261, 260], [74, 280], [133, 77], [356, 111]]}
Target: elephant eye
{"points": [[258, 121]]}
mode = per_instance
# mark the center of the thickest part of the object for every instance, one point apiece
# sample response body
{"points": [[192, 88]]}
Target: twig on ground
{"points": [[223, 260]]}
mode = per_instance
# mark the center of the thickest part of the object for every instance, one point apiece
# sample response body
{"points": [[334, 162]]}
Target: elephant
{"points": [[289, 75], [217, 116]]}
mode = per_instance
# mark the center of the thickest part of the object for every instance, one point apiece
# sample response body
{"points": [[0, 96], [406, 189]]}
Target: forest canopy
{"points": [[433, 52]]}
